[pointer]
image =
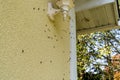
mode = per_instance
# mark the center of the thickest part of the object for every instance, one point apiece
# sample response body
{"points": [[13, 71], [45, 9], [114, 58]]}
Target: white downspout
{"points": [[73, 55]]}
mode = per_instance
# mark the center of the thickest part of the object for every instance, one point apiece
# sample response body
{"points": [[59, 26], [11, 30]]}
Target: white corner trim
{"points": [[73, 55]]}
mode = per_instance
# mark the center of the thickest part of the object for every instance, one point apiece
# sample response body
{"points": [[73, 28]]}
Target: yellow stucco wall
{"points": [[31, 46]]}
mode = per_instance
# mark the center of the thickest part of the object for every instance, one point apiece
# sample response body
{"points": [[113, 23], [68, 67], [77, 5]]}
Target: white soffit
{"points": [[100, 18], [88, 4]]}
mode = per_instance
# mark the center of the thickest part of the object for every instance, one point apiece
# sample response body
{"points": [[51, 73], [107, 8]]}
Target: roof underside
{"points": [[103, 17]]}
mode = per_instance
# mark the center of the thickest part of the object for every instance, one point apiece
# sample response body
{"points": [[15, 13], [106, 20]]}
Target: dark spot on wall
{"points": [[69, 17], [33, 8], [43, 9], [54, 35], [63, 51], [44, 30], [23, 51], [38, 8], [61, 37], [53, 46], [64, 74], [48, 37], [56, 39], [46, 25], [50, 61], [41, 62], [63, 79], [69, 60]]}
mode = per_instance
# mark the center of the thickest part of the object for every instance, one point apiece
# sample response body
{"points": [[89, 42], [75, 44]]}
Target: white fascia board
{"points": [[88, 4]]}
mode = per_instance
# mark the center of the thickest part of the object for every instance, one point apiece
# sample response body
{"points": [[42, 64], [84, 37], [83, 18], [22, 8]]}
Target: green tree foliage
{"points": [[95, 47]]}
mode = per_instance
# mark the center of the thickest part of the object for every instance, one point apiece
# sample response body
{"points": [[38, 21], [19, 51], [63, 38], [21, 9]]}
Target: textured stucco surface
{"points": [[31, 46]]}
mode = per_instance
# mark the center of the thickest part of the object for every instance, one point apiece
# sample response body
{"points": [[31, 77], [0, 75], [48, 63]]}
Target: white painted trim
{"points": [[88, 4], [73, 55], [96, 29]]}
